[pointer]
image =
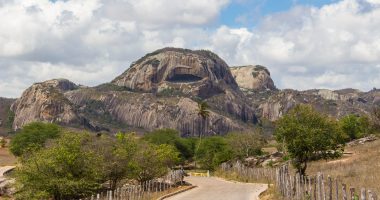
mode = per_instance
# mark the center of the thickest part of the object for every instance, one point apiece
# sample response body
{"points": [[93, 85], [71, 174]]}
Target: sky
{"points": [[305, 44]]}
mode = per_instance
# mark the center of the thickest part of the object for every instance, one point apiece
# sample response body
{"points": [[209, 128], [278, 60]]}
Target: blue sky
{"points": [[254, 10], [305, 44]]}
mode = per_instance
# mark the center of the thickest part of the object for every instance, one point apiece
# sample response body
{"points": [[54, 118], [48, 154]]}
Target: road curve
{"points": [[210, 188]]}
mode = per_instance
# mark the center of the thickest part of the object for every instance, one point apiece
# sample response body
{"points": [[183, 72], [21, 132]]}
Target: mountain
{"points": [[162, 90]]}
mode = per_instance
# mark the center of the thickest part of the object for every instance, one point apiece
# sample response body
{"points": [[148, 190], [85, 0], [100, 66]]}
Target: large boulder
{"points": [[45, 102], [253, 77], [200, 73]]}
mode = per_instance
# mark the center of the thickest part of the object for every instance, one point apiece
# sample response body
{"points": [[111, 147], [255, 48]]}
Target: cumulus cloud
{"points": [[335, 46], [92, 41]]}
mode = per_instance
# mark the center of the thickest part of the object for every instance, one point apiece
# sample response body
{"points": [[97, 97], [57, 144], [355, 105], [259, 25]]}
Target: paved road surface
{"points": [[214, 188]]}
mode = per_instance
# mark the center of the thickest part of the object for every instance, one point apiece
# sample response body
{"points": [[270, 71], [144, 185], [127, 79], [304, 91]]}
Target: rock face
{"points": [[148, 111], [337, 103], [160, 90], [45, 102], [253, 77], [200, 73]]}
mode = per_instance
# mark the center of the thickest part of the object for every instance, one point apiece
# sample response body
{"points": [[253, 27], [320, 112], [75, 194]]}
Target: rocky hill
{"points": [[161, 90]]}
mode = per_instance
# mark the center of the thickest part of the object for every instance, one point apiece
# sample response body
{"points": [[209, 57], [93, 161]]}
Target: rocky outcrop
{"points": [[149, 112], [337, 103], [160, 90], [253, 77], [197, 73], [45, 102]]}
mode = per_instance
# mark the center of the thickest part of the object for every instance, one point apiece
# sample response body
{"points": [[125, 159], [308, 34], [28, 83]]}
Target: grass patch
{"points": [[358, 169]]}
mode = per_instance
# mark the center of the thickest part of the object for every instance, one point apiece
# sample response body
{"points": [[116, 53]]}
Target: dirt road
{"points": [[214, 188]]}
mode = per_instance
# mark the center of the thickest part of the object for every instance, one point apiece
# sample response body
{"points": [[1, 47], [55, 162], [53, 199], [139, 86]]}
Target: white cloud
{"points": [[335, 46], [92, 41]]}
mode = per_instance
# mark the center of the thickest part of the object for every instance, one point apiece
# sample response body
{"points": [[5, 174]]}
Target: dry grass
{"points": [[270, 194], [6, 157], [359, 169]]}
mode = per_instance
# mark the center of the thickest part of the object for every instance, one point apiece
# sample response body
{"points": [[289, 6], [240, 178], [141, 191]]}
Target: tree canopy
{"points": [[309, 135], [355, 126], [33, 136], [65, 170], [212, 152]]}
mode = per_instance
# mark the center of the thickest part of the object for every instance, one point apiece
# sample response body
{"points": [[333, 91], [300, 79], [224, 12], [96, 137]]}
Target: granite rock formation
{"points": [[253, 77], [45, 102], [160, 90]]}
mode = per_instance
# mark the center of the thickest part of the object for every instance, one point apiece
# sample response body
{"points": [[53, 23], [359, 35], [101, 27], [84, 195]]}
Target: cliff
{"points": [[160, 90], [252, 77]]}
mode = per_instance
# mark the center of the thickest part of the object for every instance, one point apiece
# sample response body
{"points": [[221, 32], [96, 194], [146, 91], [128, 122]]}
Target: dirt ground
{"points": [[6, 157]]}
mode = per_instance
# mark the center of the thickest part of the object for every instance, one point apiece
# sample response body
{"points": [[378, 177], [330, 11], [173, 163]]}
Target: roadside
{"points": [[217, 188]]}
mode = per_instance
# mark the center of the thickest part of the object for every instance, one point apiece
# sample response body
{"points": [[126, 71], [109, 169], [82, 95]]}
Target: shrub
{"points": [[32, 137]]}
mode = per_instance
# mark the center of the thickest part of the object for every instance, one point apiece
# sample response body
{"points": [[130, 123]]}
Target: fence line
{"points": [[267, 175], [298, 187], [318, 187], [144, 191]]}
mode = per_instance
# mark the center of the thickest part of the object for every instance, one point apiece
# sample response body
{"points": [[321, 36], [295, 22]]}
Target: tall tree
{"points": [[203, 114], [309, 135]]}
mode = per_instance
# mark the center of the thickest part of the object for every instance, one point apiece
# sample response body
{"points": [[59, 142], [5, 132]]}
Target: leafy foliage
{"points": [[355, 126], [309, 135], [10, 119], [65, 170], [33, 136], [246, 144], [171, 137], [152, 161], [212, 152]]}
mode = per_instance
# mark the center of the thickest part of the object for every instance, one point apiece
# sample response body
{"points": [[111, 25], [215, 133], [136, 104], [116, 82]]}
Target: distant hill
{"points": [[161, 90]]}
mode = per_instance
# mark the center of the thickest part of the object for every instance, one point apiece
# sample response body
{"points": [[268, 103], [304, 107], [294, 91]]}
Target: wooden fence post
{"points": [[336, 189], [362, 194], [344, 190], [330, 187], [352, 193]]}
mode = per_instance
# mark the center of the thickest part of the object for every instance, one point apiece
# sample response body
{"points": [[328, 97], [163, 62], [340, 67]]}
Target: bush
{"points": [[153, 161], [33, 136], [171, 137], [65, 170], [355, 126], [212, 152], [309, 135], [245, 145]]}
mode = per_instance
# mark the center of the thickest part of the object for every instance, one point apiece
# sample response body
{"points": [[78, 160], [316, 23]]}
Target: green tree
{"points": [[153, 161], [309, 135], [245, 144], [65, 170], [33, 136], [355, 126], [375, 119], [213, 151], [171, 137], [203, 114], [117, 155]]}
